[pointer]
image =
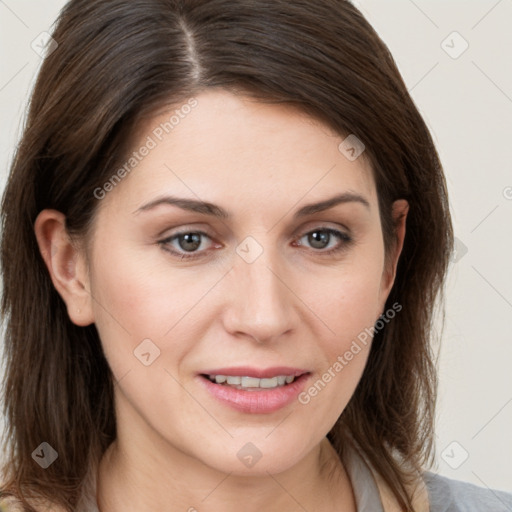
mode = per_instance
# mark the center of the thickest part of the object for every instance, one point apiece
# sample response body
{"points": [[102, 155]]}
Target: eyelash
{"points": [[345, 242]]}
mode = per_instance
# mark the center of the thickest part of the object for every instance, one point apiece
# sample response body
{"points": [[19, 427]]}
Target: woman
{"points": [[225, 231]]}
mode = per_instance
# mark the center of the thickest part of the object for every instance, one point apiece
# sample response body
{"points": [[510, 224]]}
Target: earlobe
{"points": [[66, 265]]}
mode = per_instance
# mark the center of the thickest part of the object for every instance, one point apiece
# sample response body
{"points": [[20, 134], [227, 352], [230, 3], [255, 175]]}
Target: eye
{"points": [[191, 244], [326, 240], [185, 244]]}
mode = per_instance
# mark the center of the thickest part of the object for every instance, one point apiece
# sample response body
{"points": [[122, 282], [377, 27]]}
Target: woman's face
{"points": [[255, 282]]}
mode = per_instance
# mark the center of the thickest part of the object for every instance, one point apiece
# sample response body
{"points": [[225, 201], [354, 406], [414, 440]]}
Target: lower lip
{"points": [[256, 402]]}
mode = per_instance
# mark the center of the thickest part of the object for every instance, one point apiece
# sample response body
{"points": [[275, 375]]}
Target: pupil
{"points": [[190, 241], [319, 239]]}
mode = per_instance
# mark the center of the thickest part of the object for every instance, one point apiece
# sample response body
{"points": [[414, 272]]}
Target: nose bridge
{"points": [[261, 305]]}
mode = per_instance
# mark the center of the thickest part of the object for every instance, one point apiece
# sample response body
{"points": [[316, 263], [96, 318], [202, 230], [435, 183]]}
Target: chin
{"points": [[248, 459]]}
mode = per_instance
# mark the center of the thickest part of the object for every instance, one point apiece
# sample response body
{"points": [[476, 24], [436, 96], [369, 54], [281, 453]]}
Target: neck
{"points": [[133, 478]]}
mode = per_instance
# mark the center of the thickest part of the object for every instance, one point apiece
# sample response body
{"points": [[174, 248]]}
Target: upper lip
{"points": [[258, 373]]}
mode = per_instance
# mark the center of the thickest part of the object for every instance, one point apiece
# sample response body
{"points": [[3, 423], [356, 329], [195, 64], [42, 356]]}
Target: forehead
{"points": [[220, 146]]}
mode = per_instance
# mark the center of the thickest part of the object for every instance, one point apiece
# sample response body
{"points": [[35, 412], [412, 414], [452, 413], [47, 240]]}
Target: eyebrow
{"points": [[214, 210]]}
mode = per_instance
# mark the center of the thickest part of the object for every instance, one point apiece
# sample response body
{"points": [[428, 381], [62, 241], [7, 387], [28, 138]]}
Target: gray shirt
{"points": [[447, 495], [444, 494]]}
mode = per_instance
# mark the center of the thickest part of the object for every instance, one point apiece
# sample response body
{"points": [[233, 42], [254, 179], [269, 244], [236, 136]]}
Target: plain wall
{"points": [[466, 101]]}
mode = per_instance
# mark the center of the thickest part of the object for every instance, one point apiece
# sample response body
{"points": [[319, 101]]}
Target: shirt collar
{"points": [[371, 492]]}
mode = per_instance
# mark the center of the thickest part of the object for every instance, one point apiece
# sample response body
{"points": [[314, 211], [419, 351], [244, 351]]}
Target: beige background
{"points": [[467, 103]]}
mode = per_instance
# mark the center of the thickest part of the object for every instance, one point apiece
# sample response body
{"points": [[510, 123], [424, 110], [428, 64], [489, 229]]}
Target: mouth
{"points": [[255, 391], [254, 379]]}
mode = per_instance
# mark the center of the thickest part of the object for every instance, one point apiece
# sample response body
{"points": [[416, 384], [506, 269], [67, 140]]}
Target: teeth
{"points": [[247, 382], [244, 382], [268, 383]]}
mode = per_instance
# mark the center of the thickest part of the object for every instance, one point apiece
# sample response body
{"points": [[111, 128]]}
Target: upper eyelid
{"points": [[301, 232], [322, 225], [311, 226]]}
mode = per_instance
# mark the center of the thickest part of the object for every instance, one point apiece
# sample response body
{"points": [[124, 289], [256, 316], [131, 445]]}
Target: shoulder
{"points": [[448, 495], [10, 504]]}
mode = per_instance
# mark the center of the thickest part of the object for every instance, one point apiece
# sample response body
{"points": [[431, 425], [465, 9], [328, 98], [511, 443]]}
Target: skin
{"points": [[294, 305]]}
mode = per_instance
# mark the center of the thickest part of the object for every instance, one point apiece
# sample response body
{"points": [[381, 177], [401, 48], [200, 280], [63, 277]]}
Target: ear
{"points": [[66, 264], [400, 209]]}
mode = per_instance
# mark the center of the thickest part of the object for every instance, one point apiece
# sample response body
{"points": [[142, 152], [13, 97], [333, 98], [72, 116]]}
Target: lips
{"points": [[252, 401]]}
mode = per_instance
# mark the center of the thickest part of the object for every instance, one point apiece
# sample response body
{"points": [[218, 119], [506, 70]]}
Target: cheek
{"points": [[139, 297], [354, 307], [347, 300], [349, 311]]}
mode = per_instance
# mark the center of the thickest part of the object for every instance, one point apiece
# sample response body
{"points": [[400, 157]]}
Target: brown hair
{"points": [[119, 60]]}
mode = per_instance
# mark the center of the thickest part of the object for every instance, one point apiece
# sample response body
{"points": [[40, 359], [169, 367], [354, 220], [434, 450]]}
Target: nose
{"points": [[261, 304]]}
